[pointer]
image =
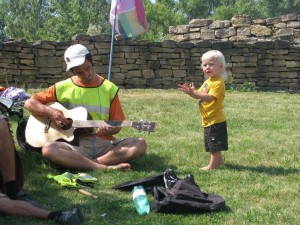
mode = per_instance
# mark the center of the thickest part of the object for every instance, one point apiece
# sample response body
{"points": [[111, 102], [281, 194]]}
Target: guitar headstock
{"points": [[144, 126]]}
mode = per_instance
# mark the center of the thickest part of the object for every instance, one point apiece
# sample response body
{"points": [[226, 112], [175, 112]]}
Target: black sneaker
{"points": [[71, 217], [170, 178], [22, 196]]}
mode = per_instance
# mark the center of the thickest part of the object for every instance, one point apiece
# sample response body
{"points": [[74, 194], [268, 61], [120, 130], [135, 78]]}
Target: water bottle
{"points": [[140, 199]]}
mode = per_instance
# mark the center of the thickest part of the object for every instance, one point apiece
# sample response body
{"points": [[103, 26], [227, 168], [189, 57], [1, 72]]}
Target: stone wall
{"points": [[286, 27], [268, 64]]}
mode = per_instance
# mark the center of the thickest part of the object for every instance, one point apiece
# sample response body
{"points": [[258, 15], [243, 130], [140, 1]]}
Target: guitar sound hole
{"points": [[69, 125]]}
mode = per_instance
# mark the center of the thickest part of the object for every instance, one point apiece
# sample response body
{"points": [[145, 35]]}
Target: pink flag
{"points": [[130, 17]]}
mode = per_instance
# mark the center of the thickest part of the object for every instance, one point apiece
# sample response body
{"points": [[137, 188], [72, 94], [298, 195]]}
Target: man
{"points": [[13, 201], [99, 96]]}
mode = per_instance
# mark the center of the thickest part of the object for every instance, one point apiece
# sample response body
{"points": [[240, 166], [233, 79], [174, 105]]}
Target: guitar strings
{"points": [[92, 155]]}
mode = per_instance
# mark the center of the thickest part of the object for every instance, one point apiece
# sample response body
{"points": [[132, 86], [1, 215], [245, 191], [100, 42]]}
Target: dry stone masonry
{"points": [[286, 27], [263, 52]]}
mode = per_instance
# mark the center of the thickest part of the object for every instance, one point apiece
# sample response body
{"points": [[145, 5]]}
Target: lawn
{"points": [[260, 179]]}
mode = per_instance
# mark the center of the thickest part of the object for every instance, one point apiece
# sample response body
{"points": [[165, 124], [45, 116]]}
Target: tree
{"points": [[22, 20], [64, 19], [196, 9], [99, 15], [69, 17], [160, 16], [51, 19], [274, 8], [227, 9], [3, 12]]}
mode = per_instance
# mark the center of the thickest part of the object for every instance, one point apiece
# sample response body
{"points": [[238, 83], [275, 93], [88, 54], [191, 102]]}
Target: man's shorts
{"points": [[92, 147], [216, 137]]}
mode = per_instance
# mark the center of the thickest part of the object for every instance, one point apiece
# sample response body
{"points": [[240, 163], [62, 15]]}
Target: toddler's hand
{"points": [[187, 88]]}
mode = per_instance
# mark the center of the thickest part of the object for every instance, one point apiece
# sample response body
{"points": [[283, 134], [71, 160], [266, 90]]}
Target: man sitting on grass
{"points": [[87, 89]]}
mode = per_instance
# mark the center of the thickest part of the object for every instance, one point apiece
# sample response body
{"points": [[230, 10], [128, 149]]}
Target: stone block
{"points": [[243, 31], [289, 17], [220, 24], [220, 45], [133, 74], [260, 30], [46, 61], [225, 32], [274, 20], [207, 34], [293, 64], [164, 73], [200, 23], [148, 73], [264, 44], [179, 29], [179, 73], [241, 21]]}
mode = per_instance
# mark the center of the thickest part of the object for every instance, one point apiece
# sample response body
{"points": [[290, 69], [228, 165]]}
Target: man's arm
{"points": [[116, 113], [37, 108]]}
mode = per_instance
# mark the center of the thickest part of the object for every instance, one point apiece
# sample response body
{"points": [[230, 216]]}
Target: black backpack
{"points": [[184, 197]]}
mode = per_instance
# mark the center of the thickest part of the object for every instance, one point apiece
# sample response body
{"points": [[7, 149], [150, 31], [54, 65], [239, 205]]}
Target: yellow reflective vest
{"points": [[97, 100]]}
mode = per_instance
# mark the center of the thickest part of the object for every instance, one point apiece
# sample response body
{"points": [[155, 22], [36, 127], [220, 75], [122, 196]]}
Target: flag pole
{"points": [[112, 43]]}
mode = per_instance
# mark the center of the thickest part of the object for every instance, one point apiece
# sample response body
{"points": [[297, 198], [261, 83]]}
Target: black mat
{"points": [[147, 182]]}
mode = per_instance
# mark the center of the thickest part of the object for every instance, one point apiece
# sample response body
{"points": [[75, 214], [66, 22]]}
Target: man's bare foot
{"points": [[121, 166]]}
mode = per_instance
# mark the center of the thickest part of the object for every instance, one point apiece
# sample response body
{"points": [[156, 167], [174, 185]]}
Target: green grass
{"points": [[260, 181]]}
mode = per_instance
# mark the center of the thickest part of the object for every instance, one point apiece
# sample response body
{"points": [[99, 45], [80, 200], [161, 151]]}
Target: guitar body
{"points": [[35, 129]]}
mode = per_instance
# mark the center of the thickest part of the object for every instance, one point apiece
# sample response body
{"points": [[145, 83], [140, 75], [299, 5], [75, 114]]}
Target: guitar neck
{"points": [[98, 123]]}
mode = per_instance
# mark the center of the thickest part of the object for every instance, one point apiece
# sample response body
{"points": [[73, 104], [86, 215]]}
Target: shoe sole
{"points": [[76, 217], [79, 214]]}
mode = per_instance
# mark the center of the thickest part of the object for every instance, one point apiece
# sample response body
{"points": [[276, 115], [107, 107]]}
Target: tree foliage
{"points": [[274, 8], [195, 9], [160, 17], [227, 9], [57, 20], [22, 18], [52, 19], [66, 18]]}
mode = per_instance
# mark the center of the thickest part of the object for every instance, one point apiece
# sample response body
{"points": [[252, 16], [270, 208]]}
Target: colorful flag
{"points": [[130, 17]]}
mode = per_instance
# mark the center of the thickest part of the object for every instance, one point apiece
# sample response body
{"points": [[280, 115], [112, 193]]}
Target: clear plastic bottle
{"points": [[140, 200]]}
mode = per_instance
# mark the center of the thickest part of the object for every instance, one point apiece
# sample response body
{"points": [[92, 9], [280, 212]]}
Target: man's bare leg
{"points": [[62, 155], [21, 208], [7, 162], [125, 151]]}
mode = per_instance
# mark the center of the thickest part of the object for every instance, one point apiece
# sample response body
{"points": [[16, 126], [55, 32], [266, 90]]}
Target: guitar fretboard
{"points": [[97, 123]]}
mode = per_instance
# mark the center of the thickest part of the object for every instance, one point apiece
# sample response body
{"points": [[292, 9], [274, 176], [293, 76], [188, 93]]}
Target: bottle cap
{"points": [[138, 192]]}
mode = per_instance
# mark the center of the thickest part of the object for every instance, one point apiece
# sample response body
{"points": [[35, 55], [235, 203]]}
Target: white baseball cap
{"points": [[75, 56]]}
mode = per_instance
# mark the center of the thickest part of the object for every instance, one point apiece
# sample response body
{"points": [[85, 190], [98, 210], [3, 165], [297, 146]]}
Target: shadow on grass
{"points": [[264, 169], [148, 162], [151, 162]]}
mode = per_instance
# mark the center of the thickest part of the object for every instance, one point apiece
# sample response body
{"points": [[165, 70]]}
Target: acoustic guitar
{"points": [[40, 129]]}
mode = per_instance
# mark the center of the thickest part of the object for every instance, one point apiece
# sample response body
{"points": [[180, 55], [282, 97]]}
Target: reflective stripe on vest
{"points": [[96, 100]]}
